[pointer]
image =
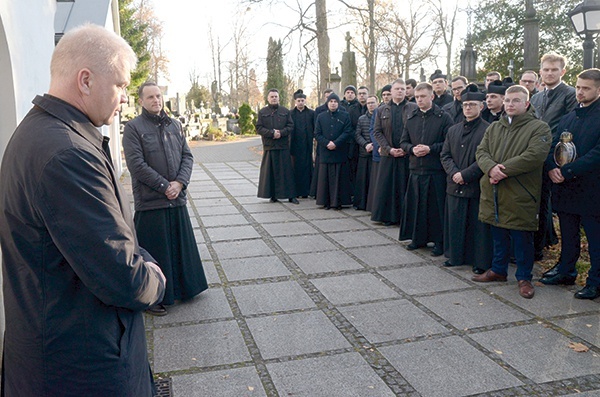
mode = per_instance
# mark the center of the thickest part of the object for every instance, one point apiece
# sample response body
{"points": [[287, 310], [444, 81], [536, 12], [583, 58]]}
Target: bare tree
{"points": [[446, 24], [159, 63]]}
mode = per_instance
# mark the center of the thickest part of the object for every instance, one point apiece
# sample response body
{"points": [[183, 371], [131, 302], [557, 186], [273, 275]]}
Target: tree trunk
{"points": [[371, 60], [322, 43]]}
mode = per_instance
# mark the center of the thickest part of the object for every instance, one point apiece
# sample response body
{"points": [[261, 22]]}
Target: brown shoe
{"points": [[526, 289], [488, 276]]}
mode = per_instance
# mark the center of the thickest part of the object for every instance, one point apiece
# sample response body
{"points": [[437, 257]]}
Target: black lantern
{"points": [[586, 21]]}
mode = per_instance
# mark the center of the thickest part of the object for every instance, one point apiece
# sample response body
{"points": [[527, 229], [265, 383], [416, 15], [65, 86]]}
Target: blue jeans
{"points": [[571, 243], [523, 249]]}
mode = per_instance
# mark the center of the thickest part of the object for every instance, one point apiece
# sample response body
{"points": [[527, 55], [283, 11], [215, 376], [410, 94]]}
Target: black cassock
{"points": [[467, 241], [423, 216], [301, 148]]}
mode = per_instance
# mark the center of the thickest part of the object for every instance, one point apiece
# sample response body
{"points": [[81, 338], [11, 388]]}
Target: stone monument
{"points": [[468, 56], [348, 65]]}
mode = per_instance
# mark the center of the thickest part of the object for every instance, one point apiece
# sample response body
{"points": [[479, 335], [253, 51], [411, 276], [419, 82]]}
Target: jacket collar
{"points": [[584, 111], [162, 118]]}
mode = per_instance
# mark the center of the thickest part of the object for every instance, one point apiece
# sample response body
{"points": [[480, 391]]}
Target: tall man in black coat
{"points": [[274, 125], [301, 144], [454, 108], [467, 240], [495, 101], [423, 138], [393, 167], [576, 185], [439, 83], [365, 155], [355, 110]]}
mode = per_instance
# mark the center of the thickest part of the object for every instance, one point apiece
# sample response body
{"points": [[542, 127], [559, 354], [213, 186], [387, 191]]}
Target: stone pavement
{"points": [[309, 302]]}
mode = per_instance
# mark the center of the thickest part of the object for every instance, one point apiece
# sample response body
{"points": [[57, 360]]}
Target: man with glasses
{"points": [[529, 80], [454, 108], [512, 155], [440, 88]]}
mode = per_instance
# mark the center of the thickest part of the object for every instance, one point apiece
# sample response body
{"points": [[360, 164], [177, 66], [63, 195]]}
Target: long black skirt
{"points": [[467, 240], [168, 236], [372, 184], [388, 202], [303, 170], [362, 182], [423, 218], [333, 186], [315, 175], [276, 178]]}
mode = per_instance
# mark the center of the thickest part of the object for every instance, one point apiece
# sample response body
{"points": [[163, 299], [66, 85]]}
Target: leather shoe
{"points": [[478, 270], [412, 247], [588, 292], [273, 200], [294, 200], [488, 276], [157, 310], [559, 279], [448, 263], [437, 250], [526, 289], [552, 272]]}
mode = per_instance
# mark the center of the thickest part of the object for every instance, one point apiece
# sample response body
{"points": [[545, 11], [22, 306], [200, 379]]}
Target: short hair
{"points": [[590, 74], [424, 86], [494, 73], [554, 58], [518, 89], [148, 83], [273, 90], [531, 72], [460, 78], [327, 91], [398, 81], [362, 87], [373, 96], [411, 82], [93, 47]]}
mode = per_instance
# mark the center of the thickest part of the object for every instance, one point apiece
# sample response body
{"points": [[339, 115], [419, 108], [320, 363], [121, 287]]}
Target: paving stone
{"points": [[211, 202], [208, 195], [340, 376], [299, 244], [237, 382], [253, 268], [232, 233], [294, 334], [448, 367], [586, 327], [212, 277], [288, 229], [241, 249], [243, 190], [391, 320], [217, 210], [274, 217], [263, 207], [539, 353], [585, 394], [198, 234], [271, 297], [194, 221], [204, 254], [339, 225], [250, 200], [324, 262], [471, 309], [548, 301], [320, 213], [385, 255], [390, 231], [209, 304], [360, 238], [199, 345], [353, 288], [220, 220], [423, 279]]}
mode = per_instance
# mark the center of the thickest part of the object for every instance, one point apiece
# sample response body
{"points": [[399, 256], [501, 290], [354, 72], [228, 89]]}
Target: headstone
{"points": [[348, 65]]}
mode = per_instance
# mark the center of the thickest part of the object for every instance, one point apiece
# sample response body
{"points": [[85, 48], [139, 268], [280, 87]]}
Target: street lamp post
{"points": [[586, 21]]}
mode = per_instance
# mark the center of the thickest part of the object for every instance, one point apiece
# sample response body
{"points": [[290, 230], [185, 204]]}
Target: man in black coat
{"points": [[355, 110], [495, 101], [388, 202], [365, 155], [439, 83], [467, 240], [75, 280], [274, 125], [423, 138], [454, 108], [576, 185], [301, 144]]}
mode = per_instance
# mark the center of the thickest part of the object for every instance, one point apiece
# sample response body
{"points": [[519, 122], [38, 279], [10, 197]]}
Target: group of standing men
{"points": [[471, 173]]}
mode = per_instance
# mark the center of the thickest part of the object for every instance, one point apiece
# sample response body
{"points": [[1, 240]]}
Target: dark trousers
{"points": [[523, 246], [571, 244]]}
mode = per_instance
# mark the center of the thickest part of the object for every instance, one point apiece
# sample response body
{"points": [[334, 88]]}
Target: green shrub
{"points": [[247, 120]]}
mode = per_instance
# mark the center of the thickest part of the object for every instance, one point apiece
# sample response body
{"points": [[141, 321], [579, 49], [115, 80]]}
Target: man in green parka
{"points": [[512, 155]]}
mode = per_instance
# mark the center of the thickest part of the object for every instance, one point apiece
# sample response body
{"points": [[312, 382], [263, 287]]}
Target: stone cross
{"points": [[348, 38]]}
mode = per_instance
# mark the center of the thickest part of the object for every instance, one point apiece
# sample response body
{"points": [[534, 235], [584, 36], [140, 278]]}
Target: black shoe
{"points": [[478, 270], [559, 279], [157, 310], [588, 292], [437, 250], [412, 246], [552, 272], [273, 200], [294, 200], [448, 264], [538, 256], [326, 207], [388, 223], [304, 196]]}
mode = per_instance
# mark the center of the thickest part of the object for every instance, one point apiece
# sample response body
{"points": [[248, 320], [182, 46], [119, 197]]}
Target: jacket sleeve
{"points": [[358, 135], [446, 123], [346, 132], [289, 125], [447, 161], [319, 131], [77, 201], [261, 129], [534, 155], [586, 164], [136, 163], [405, 142], [187, 161], [483, 154], [378, 134]]}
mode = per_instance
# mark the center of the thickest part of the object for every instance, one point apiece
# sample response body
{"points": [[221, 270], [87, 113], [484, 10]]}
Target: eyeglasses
{"points": [[469, 105], [515, 101], [527, 81]]}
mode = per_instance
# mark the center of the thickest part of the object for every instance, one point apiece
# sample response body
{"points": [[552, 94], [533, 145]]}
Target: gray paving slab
{"points": [[325, 262], [471, 309], [232, 233], [274, 217], [208, 305], [189, 346], [585, 394], [341, 375], [243, 190], [392, 320], [217, 210], [423, 279], [353, 288], [359, 238], [289, 229], [385, 255], [314, 213], [299, 244], [208, 194], [198, 235], [204, 254], [585, 327], [271, 298], [263, 207], [235, 382], [448, 367], [250, 200], [294, 334], [254, 268], [224, 220], [241, 249], [212, 202], [539, 353], [339, 225], [212, 277]]}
